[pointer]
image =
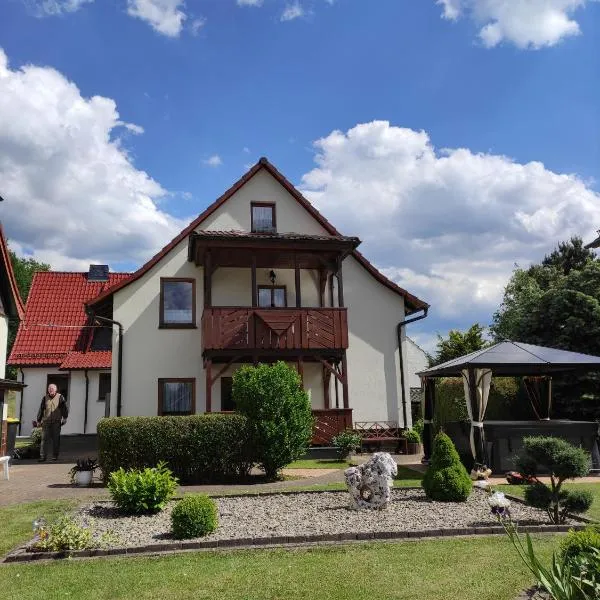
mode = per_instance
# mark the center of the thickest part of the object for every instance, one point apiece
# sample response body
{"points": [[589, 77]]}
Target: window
{"points": [[227, 402], [263, 217], [176, 396], [177, 303], [103, 386], [61, 382], [272, 296]]}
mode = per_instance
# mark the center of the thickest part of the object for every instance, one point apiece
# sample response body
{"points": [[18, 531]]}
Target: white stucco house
{"points": [[259, 276]]}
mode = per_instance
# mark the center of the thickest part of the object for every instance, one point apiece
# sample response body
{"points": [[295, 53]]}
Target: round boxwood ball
{"points": [[194, 516]]}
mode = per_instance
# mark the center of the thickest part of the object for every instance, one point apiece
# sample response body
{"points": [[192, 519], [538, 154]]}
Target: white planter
{"points": [[83, 478]]}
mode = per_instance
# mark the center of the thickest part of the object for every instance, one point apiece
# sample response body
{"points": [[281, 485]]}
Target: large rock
{"points": [[369, 484]]}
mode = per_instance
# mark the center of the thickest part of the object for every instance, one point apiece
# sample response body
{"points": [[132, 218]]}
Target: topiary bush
{"points": [[411, 436], [446, 479], [142, 492], [197, 448], [279, 414], [194, 516], [346, 443], [580, 542], [563, 461]]}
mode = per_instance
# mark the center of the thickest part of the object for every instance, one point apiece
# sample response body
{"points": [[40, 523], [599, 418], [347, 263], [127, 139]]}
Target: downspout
{"points": [[402, 378], [95, 317], [22, 398], [87, 391]]}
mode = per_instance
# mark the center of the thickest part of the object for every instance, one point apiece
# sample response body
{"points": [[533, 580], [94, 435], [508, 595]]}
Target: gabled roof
{"points": [[412, 303], [516, 358], [8, 283], [54, 327]]}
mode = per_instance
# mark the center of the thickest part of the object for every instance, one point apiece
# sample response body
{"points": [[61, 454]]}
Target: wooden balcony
{"points": [[328, 423], [274, 329]]}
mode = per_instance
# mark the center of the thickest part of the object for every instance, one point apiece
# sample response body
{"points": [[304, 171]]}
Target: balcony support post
{"points": [[254, 288], [326, 386], [340, 284], [322, 285], [297, 282], [207, 279], [345, 381], [300, 366], [209, 382]]}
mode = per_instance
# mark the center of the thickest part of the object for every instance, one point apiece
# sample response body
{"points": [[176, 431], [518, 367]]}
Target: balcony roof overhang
{"points": [[270, 250]]}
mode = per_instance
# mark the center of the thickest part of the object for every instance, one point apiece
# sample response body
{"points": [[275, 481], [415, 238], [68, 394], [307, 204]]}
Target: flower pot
{"points": [[413, 448], [83, 478]]}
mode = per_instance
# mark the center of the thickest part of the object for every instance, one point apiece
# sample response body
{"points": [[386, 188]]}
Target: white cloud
{"points": [[448, 225], [197, 25], [44, 8], [530, 24], [249, 2], [213, 161], [71, 190], [164, 16], [292, 11]]}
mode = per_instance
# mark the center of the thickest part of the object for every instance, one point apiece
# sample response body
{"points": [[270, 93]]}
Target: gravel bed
{"points": [[307, 514]]}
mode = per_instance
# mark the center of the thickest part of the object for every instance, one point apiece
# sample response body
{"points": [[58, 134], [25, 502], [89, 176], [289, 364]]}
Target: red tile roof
{"points": [[94, 359], [11, 283], [412, 303], [55, 321]]}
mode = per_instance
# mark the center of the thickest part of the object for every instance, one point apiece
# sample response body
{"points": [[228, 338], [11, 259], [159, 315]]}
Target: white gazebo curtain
{"points": [[476, 411]]}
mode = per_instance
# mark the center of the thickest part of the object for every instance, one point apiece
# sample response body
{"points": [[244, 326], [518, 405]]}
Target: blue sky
{"points": [[455, 138]]}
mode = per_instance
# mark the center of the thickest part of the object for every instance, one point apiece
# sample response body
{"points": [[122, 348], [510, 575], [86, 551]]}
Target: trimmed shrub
{"points": [[411, 436], [194, 516], [563, 461], [278, 411], [142, 492], [197, 448], [580, 542], [418, 427], [346, 443], [446, 479]]}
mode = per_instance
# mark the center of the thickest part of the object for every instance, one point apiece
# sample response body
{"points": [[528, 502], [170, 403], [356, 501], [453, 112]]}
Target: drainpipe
{"points": [[87, 393], [95, 317], [399, 332], [22, 398]]}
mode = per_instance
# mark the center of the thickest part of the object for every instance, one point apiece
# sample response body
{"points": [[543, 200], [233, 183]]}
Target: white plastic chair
{"points": [[4, 460]]}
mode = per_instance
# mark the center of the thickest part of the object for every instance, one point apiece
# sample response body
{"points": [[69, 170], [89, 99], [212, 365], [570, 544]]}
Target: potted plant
{"points": [[83, 472], [413, 441]]}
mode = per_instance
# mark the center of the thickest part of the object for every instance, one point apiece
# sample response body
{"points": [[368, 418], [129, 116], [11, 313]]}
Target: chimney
{"points": [[98, 273]]}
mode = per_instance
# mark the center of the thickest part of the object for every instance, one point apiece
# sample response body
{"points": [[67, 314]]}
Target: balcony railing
{"points": [[236, 328], [328, 423]]}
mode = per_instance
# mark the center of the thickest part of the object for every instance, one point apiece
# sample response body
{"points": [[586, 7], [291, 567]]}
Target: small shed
{"points": [[536, 364]]}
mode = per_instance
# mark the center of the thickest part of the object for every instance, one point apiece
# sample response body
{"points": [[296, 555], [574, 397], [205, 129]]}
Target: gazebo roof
{"points": [[514, 359]]}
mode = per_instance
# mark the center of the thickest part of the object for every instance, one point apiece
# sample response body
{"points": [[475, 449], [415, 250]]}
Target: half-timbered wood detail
{"points": [[243, 328], [328, 423]]}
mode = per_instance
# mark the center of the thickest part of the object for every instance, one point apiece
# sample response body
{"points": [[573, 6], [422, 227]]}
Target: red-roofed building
{"points": [[58, 342]]}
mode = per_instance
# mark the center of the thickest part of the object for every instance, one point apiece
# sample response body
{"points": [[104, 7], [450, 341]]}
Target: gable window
{"points": [[263, 217], [102, 339], [272, 296], [176, 396], [227, 403], [177, 302], [103, 387]]}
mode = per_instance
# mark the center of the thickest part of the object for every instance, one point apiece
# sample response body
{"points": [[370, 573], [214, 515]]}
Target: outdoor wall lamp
{"points": [[272, 277]]}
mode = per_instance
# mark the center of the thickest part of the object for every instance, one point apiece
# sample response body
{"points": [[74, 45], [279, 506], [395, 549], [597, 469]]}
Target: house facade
{"points": [[259, 276]]}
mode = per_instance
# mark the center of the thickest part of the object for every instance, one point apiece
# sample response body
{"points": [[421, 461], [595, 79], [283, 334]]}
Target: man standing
{"points": [[51, 417]]}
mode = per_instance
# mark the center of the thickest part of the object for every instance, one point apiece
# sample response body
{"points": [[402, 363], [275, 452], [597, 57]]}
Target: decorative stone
{"points": [[370, 483]]}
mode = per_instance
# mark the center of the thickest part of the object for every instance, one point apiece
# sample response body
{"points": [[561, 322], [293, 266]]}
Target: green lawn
{"points": [[593, 513], [489, 570]]}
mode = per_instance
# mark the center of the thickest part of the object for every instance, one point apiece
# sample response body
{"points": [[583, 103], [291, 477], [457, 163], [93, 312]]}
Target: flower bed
{"points": [[306, 514], [303, 517]]}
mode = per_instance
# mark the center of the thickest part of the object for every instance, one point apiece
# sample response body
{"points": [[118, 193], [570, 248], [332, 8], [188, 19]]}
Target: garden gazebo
{"points": [[506, 359]]}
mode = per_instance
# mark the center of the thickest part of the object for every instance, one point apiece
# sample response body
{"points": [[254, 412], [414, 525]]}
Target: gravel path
{"points": [[308, 514]]}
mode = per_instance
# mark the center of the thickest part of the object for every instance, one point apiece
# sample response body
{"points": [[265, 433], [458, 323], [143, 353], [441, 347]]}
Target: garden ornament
{"points": [[480, 472], [369, 484]]}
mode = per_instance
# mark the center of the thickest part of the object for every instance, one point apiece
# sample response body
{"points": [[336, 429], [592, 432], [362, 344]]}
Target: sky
{"points": [[456, 138]]}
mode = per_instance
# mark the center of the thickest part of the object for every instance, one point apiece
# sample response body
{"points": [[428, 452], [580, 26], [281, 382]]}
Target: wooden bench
{"points": [[378, 433]]}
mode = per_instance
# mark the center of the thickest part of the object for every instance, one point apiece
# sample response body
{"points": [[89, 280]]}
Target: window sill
{"points": [[178, 326]]}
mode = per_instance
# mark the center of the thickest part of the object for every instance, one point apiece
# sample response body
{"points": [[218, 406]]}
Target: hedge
{"points": [[197, 448]]}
